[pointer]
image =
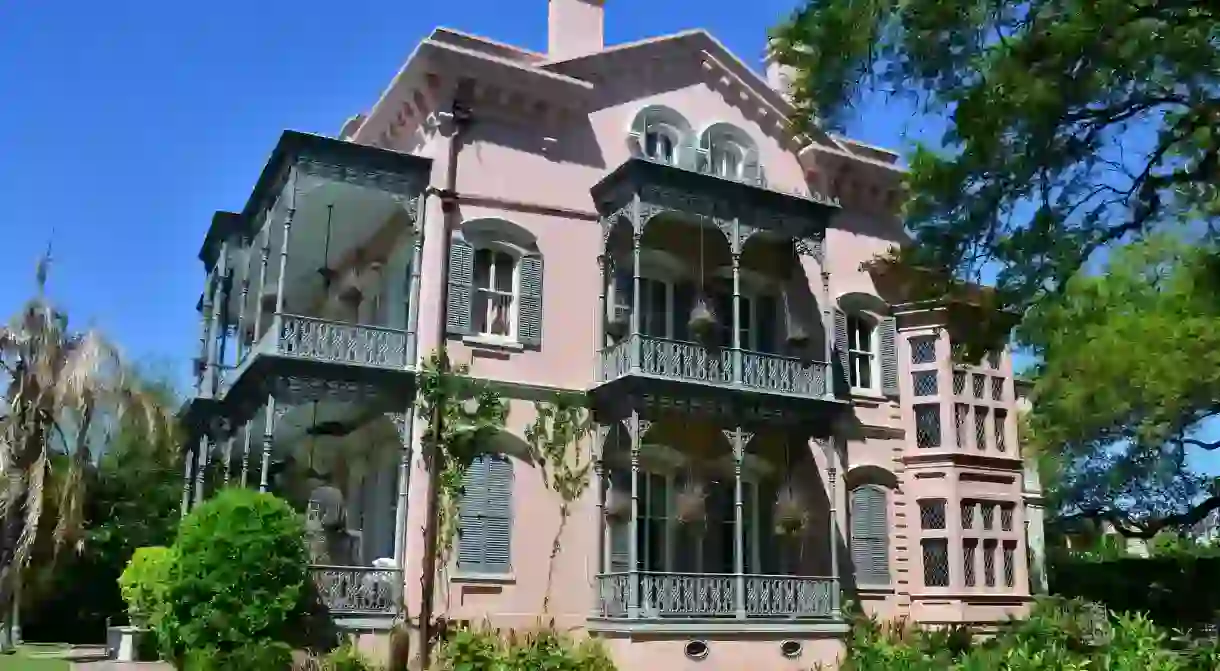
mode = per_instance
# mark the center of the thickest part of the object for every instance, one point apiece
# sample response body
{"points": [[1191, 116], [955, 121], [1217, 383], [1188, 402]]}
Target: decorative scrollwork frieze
{"points": [[360, 175]]}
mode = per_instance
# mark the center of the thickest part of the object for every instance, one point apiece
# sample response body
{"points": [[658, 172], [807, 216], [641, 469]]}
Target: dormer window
{"points": [[729, 152], [660, 134], [726, 159], [661, 144]]}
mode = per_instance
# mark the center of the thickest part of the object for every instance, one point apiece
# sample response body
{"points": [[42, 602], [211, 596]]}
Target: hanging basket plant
{"points": [[702, 322], [792, 518], [617, 322], [690, 502], [795, 311], [618, 505]]}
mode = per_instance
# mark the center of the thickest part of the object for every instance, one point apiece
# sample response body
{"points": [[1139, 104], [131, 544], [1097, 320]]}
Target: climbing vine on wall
{"points": [[556, 440], [472, 414]]}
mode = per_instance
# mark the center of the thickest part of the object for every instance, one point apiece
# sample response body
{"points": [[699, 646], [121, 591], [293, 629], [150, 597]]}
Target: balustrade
{"points": [[693, 362], [695, 595], [358, 590]]}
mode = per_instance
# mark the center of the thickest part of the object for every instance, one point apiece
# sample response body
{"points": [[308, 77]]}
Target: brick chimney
{"points": [[575, 28]]}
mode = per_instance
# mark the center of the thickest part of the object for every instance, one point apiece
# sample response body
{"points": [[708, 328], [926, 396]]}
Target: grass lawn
{"points": [[32, 658]]}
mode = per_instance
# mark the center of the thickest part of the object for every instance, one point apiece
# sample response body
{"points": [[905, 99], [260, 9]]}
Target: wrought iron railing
{"points": [[339, 342], [358, 590], [702, 595], [693, 362]]}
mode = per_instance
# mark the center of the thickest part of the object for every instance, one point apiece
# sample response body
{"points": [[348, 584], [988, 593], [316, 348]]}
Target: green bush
{"points": [[1176, 590], [237, 589], [258, 656], [347, 658], [143, 582], [1059, 635], [485, 649]]}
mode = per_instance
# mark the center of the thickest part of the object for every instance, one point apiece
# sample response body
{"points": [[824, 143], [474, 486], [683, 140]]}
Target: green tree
{"points": [[1127, 380], [133, 494], [1070, 125], [60, 387]]}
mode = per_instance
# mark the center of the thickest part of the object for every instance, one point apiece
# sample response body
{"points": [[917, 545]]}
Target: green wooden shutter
{"points": [[620, 530], [869, 536], [888, 333], [472, 516], [529, 307], [842, 378], [498, 520], [460, 294]]}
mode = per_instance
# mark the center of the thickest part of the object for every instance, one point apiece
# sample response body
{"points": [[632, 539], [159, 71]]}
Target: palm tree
{"points": [[58, 390]]}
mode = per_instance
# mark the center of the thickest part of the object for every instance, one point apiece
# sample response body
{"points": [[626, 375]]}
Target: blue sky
{"points": [[125, 124]]}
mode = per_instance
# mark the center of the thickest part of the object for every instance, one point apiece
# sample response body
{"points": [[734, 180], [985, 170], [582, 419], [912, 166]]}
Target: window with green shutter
{"points": [[484, 538], [870, 535]]}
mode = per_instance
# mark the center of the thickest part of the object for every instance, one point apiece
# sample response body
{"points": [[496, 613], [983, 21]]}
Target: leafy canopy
{"points": [[1128, 376], [1070, 124]]}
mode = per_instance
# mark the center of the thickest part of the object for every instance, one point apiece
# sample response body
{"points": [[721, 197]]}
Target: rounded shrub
{"points": [[238, 580], [144, 581]]}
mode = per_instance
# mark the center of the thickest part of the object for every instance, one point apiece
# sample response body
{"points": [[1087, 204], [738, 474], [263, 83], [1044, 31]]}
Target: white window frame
{"points": [[514, 254], [659, 128], [872, 354], [724, 146]]}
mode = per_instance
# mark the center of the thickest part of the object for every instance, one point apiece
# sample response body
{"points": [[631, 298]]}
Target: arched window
{"points": [[866, 345], [729, 152], [495, 292], [870, 536], [495, 283], [661, 134]]}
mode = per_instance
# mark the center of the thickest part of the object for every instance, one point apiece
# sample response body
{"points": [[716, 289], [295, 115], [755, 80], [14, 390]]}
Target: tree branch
{"points": [[1147, 529]]}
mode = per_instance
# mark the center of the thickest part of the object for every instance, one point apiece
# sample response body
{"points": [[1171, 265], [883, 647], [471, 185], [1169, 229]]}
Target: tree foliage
{"points": [[1127, 381], [1070, 124], [61, 389]]}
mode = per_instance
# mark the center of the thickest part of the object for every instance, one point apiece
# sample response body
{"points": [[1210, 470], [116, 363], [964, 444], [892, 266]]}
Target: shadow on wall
{"points": [[576, 142]]}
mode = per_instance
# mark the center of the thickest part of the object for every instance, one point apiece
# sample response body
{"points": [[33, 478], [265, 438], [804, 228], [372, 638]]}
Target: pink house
{"points": [[778, 430]]}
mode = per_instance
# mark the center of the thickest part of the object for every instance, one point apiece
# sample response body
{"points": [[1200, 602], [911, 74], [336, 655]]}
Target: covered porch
{"points": [[705, 523]]}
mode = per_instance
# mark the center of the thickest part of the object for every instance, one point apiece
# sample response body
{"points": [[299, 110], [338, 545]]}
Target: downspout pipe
{"points": [[462, 119]]}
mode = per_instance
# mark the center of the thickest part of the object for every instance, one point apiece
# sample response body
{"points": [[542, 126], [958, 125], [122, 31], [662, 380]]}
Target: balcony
{"points": [[358, 591], [718, 368], [715, 596], [319, 271]]}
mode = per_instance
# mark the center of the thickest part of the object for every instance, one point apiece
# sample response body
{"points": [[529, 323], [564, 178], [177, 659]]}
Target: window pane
{"points": [[935, 562], [969, 548], [481, 312], [932, 514], [501, 314], [482, 268], [504, 272], [864, 371], [864, 337], [989, 551]]}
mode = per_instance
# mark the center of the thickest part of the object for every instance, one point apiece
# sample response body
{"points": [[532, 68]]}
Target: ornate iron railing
{"points": [[789, 596], [701, 595], [358, 590], [692, 362], [339, 342], [769, 372]]}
